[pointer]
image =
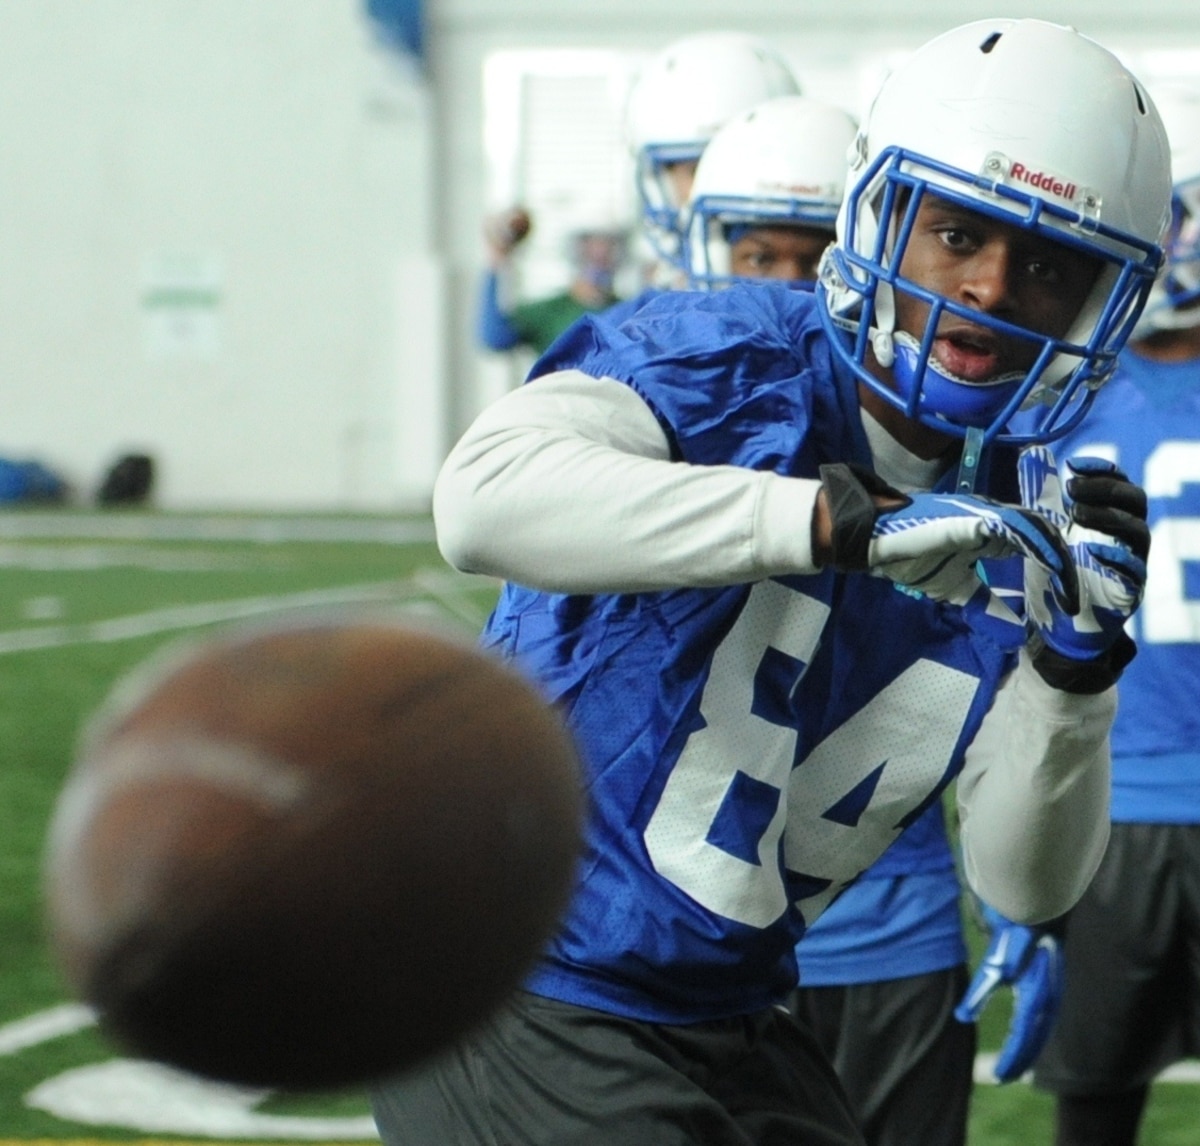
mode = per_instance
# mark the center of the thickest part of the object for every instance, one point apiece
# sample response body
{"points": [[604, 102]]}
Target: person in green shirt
{"points": [[596, 255]]}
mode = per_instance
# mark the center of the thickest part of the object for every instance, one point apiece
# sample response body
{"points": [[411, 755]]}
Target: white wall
{"points": [[230, 235], [207, 210]]}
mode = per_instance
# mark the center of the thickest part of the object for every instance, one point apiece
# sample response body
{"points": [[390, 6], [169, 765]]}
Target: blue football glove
{"points": [[1102, 515], [932, 541], [1030, 961]]}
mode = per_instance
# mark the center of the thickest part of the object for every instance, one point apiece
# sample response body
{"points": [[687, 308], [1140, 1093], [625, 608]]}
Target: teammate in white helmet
{"points": [[1173, 301], [772, 658], [1133, 968], [683, 95], [766, 194]]}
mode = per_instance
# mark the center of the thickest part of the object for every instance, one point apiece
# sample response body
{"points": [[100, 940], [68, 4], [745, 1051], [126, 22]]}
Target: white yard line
{"points": [[164, 527], [409, 595], [88, 558], [151, 1098], [1187, 1071], [447, 590], [146, 1096], [43, 1026], [179, 617]]}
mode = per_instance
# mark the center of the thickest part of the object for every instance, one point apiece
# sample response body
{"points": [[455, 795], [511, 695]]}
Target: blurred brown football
{"points": [[306, 856]]}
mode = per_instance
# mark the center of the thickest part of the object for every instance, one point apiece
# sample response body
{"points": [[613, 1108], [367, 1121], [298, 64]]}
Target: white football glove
{"points": [[1102, 515], [931, 541]]}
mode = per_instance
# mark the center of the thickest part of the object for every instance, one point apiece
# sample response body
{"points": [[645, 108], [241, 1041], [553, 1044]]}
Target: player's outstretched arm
{"points": [[567, 484], [493, 325], [1033, 796]]}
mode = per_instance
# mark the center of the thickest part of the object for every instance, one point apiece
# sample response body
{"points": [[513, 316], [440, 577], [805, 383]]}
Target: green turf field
{"points": [[85, 596]]}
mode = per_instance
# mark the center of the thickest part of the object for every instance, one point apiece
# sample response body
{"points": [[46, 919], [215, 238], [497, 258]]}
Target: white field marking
{"points": [[148, 1141], [413, 595], [47, 608], [43, 1026], [85, 558], [163, 527], [178, 617], [150, 1097], [448, 592], [145, 1141], [1187, 1071]]}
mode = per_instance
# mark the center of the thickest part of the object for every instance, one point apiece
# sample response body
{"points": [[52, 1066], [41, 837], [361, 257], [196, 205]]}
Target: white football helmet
{"points": [[1032, 124], [783, 162], [684, 94], [1178, 287]]}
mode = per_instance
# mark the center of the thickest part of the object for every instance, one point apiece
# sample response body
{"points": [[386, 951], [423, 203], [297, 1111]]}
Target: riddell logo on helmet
{"points": [[1051, 183], [802, 190]]}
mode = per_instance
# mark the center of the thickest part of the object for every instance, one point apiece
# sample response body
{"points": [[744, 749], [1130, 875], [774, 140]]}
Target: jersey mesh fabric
{"points": [[900, 918]]}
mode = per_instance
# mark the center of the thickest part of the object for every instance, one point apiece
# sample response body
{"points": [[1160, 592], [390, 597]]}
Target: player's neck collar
{"points": [[897, 465]]}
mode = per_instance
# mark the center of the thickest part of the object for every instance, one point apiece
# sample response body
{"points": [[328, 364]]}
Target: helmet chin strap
{"points": [[883, 323], [968, 465], [883, 348]]}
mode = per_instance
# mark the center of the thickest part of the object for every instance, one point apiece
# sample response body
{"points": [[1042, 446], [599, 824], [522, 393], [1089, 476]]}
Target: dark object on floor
{"points": [[129, 481]]}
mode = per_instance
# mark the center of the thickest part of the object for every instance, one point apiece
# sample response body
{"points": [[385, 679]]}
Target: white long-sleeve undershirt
{"points": [[567, 485]]}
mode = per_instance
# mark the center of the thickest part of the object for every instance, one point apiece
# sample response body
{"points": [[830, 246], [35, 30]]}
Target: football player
{"points": [[1133, 941], [772, 658], [684, 94], [766, 194], [881, 971]]}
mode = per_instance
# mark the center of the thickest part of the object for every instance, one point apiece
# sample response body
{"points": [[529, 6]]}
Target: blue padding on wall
{"points": [[400, 23]]}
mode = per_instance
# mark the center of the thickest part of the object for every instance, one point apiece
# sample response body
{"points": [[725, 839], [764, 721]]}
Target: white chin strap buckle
{"points": [[883, 348]]}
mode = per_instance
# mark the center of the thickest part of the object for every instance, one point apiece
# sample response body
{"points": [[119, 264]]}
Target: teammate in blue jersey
{"points": [[774, 661], [881, 972], [1132, 999]]}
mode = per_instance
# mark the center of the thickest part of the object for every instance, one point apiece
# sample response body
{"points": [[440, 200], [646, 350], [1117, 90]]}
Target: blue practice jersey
{"points": [[750, 749], [901, 917], [1147, 419], [626, 308]]}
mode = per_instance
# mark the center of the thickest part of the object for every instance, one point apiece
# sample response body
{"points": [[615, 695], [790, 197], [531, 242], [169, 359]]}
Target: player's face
{"points": [[998, 269], [787, 253], [599, 251]]}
